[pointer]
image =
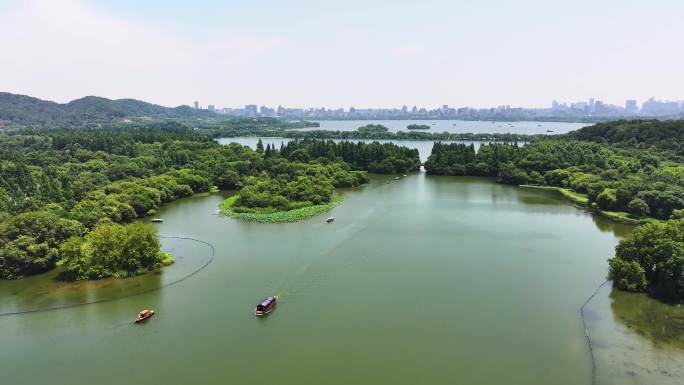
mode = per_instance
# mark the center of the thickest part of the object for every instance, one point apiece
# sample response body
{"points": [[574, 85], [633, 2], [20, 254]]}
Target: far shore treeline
{"points": [[66, 190]]}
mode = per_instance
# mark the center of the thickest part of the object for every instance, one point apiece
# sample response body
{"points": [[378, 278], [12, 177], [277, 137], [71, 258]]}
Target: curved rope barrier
{"points": [[586, 331], [211, 259]]}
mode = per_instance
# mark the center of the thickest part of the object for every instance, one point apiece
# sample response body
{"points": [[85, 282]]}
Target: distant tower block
{"points": [[196, 105]]}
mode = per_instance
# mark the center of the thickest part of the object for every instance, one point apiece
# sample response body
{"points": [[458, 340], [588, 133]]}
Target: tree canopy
{"points": [[651, 259], [112, 250]]}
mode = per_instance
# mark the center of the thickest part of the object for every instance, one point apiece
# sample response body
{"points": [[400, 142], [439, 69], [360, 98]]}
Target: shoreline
{"points": [[290, 216], [582, 200]]}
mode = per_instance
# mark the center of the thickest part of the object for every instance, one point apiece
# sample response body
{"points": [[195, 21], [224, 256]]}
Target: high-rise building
{"points": [[598, 106], [267, 111], [251, 109], [211, 107], [631, 105], [196, 105]]}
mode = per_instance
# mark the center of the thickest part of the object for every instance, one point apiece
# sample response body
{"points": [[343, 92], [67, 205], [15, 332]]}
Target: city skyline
{"points": [[591, 107], [381, 54]]}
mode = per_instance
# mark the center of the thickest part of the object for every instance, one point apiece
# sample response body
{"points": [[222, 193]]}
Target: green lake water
{"points": [[425, 280]]}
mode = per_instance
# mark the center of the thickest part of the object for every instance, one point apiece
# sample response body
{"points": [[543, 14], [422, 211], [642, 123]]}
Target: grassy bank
{"points": [[581, 199], [226, 208], [569, 194]]}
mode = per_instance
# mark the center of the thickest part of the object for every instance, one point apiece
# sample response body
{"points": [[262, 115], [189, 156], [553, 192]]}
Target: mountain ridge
{"points": [[29, 110]]}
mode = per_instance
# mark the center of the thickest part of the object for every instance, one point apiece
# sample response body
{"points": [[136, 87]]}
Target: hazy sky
{"points": [[344, 53]]}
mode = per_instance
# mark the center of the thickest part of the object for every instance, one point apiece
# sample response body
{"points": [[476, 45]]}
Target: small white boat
{"points": [[329, 220], [157, 220]]}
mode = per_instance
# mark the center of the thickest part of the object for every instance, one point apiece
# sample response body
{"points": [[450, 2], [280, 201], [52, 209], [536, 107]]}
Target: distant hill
{"points": [[662, 134], [26, 110]]}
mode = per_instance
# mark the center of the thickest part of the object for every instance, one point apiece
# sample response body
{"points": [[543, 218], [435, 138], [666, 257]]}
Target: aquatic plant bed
{"points": [[226, 208]]}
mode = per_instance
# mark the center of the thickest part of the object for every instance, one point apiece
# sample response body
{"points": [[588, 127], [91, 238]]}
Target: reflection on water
{"points": [[661, 323], [636, 340], [44, 291], [605, 225]]}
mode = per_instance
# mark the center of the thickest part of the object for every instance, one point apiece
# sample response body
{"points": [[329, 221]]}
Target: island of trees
{"points": [[302, 176], [417, 127]]}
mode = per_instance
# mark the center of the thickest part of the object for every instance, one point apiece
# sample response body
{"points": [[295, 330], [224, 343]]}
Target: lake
{"points": [[456, 126], [425, 280]]}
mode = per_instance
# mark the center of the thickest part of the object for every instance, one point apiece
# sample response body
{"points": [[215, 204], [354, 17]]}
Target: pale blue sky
{"points": [[334, 53]]}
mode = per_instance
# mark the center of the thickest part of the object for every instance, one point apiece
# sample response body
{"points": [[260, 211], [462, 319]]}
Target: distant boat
{"points": [[157, 220], [330, 220], [265, 306], [143, 315], [549, 130], [396, 178]]}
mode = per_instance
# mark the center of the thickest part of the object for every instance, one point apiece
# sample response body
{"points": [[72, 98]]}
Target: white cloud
{"points": [[408, 49], [67, 49]]}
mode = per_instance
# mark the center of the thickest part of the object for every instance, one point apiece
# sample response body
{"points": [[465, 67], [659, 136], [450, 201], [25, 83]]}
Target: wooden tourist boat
{"points": [[143, 315], [330, 220], [265, 306]]}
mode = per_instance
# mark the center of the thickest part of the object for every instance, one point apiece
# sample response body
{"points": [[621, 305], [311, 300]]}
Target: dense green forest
{"points": [[661, 134], [56, 185], [381, 158]]}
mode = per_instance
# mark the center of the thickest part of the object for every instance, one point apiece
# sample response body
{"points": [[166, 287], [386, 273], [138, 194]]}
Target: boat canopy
{"points": [[266, 301]]}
